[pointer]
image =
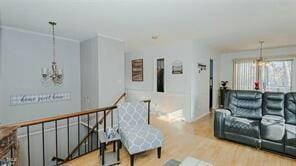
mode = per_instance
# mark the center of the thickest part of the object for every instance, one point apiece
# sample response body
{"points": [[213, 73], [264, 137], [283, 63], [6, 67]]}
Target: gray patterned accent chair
{"points": [[136, 134]]}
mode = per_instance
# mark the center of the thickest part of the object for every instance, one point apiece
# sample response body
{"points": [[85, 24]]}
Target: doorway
{"points": [[160, 75], [211, 84]]}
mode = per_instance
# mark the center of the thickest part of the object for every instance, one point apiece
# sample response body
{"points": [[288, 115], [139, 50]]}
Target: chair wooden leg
{"points": [[132, 159], [159, 152]]}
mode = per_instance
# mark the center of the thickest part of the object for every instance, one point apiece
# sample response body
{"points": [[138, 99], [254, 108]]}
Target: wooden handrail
{"points": [[118, 100], [60, 117], [114, 104]]}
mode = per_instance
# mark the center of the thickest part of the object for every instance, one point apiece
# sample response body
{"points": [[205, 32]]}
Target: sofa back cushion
{"points": [[290, 108], [246, 104], [273, 103]]}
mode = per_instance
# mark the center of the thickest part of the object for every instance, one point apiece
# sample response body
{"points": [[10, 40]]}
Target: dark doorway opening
{"points": [[160, 75], [211, 83]]}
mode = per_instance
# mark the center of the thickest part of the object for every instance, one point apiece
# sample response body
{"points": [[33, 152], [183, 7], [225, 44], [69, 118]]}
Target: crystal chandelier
{"points": [[261, 61], [56, 74]]}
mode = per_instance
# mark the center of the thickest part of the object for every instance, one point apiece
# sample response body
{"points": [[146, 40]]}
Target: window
{"points": [[245, 74], [276, 76], [160, 75]]}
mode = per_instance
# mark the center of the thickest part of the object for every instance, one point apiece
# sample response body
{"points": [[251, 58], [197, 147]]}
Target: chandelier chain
{"points": [[53, 42], [261, 43]]}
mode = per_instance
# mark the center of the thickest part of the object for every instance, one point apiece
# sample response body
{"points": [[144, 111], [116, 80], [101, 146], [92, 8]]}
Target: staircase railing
{"points": [[93, 129], [67, 119]]}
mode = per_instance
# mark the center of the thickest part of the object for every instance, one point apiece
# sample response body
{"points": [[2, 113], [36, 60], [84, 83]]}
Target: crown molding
{"points": [[37, 33], [110, 37]]}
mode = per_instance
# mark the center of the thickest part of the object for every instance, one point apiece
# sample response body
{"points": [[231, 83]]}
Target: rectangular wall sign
{"points": [[39, 98]]}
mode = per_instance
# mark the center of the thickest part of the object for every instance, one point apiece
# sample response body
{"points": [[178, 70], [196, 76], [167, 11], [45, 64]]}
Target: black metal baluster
{"points": [[43, 145], [28, 139], [68, 135], [97, 130], [88, 132], [85, 141], [104, 120], [78, 125], [111, 118], [148, 112], [91, 141], [11, 152], [56, 139]]}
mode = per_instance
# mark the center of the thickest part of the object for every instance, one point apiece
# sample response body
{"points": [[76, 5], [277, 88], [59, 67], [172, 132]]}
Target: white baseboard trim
{"points": [[201, 116]]}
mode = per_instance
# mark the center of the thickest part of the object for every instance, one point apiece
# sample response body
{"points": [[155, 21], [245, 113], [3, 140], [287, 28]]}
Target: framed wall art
{"points": [[177, 67], [201, 67], [137, 70]]}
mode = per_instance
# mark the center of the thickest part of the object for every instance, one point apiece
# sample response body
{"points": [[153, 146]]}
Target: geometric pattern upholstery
{"points": [[242, 126], [141, 138], [136, 135], [132, 114]]}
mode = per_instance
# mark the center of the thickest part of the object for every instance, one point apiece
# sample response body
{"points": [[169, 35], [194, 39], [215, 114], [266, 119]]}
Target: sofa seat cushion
{"points": [[273, 128], [291, 135], [140, 138], [243, 126]]}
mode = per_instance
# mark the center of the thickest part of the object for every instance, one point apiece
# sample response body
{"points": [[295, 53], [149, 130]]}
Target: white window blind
{"points": [[245, 74], [277, 76]]}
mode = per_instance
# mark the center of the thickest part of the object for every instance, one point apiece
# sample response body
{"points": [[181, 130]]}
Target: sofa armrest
{"points": [[219, 117], [224, 111]]}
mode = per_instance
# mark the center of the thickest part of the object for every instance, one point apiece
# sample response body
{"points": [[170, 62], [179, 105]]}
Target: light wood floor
{"points": [[196, 140]]}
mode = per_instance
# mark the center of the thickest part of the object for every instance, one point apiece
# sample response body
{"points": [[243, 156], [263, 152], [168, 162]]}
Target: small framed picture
{"points": [[177, 67]]}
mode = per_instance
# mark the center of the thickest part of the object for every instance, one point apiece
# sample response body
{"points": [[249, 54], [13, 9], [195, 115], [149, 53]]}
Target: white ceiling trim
{"points": [[37, 33], [110, 37]]}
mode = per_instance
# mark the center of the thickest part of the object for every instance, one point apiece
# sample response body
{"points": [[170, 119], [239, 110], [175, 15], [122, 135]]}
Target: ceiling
{"points": [[225, 25]]}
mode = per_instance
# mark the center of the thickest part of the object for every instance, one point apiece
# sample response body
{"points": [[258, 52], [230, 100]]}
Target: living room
{"points": [[179, 82]]}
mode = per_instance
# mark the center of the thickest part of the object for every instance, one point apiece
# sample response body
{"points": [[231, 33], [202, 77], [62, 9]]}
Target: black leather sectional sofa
{"points": [[263, 120]]}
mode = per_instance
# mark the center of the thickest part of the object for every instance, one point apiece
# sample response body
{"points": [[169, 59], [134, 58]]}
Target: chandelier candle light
{"points": [[56, 74]]}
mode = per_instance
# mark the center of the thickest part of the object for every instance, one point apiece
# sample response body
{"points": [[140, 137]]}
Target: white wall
{"points": [[216, 79], [89, 74], [226, 69], [1, 75], [187, 91], [102, 71], [111, 70], [200, 81], [23, 54]]}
